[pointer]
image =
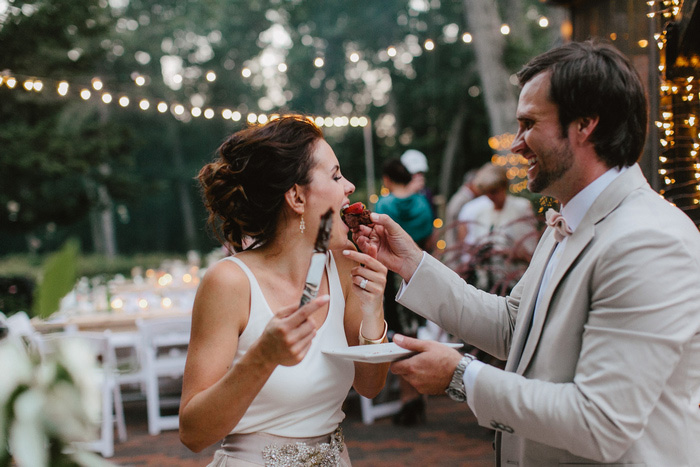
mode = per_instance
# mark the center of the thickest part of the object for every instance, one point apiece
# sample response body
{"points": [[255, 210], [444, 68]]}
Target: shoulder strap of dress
{"points": [[249, 274], [334, 284]]}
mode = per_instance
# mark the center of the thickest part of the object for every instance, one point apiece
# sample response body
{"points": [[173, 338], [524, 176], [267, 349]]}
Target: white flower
{"points": [[15, 366], [79, 360], [57, 401], [28, 440], [65, 415]]}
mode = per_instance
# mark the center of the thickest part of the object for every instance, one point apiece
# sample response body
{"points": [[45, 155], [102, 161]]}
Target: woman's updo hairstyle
{"points": [[243, 188]]}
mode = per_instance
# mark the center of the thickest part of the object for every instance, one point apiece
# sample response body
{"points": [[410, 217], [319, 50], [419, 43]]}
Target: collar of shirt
{"points": [[576, 208]]}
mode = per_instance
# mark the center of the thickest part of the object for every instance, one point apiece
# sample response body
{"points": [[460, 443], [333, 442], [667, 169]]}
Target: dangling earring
{"points": [[302, 225]]}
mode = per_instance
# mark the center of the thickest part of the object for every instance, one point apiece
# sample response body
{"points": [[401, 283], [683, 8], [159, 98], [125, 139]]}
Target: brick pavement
{"points": [[449, 438]]}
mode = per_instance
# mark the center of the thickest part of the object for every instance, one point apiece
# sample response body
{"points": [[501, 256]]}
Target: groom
{"points": [[602, 333]]}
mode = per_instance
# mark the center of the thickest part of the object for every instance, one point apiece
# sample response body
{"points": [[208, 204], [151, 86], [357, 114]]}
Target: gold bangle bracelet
{"points": [[365, 341]]}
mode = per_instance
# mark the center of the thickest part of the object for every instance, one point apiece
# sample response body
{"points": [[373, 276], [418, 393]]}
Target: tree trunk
{"points": [[499, 94], [514, 12], [104, 237], [454, 140], [182, 187]]}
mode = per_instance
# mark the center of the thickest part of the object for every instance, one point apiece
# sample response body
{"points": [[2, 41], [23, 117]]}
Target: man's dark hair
{"points": [[590, 79], [395, 171]]}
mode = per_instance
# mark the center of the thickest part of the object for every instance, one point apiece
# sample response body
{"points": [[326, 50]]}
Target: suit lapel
{"points": [[574, 247], [608, 200], [527, 302]]}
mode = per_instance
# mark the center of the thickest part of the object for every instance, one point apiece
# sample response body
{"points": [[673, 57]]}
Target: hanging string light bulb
{"points": [[677, 123]]}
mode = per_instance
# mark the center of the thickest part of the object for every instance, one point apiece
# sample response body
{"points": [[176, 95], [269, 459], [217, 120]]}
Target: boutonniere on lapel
{"points": [[556, 221]]}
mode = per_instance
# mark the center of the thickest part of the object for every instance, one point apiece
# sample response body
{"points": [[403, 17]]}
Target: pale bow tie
{"points": [[555, 220]]}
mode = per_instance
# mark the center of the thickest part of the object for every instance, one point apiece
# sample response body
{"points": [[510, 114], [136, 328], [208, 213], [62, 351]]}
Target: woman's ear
{"points": [[296, 199]]}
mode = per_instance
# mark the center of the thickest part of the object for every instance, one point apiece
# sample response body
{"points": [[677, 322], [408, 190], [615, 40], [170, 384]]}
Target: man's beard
{"points": [[562, 158]]}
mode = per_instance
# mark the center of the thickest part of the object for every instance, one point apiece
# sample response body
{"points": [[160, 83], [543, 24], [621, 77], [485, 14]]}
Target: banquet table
{"points": [[116, 321]]}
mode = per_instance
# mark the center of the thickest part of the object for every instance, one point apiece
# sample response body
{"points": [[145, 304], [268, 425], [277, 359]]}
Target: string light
{"points": [[679, 139], [63, 88]]}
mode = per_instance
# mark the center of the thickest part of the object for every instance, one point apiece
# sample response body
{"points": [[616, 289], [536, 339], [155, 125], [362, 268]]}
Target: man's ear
{"points": [[584, 127], [296, 199]]}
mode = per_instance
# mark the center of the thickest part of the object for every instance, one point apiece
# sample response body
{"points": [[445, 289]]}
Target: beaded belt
{"points": [[277, 451]]}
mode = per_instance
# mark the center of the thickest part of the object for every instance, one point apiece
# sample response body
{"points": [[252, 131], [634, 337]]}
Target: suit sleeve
{"points": [[636, 343], [479, 318]]}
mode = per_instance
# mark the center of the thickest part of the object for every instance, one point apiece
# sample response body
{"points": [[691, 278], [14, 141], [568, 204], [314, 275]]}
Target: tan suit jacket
{"points": [[609, 369]]}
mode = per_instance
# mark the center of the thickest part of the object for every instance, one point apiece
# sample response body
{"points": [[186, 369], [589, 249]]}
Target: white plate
{"points": [[375, 353]]}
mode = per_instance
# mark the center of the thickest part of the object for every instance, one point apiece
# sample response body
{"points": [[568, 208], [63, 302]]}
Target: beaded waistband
{"points": [[280, 451]]}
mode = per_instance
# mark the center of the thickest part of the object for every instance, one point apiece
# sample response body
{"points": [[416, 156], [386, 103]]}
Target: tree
{"points": [[402, 63], [60, 160], [489, 43]]}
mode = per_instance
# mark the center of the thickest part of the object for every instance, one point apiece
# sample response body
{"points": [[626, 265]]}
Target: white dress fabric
{"points": [[304, 400]]}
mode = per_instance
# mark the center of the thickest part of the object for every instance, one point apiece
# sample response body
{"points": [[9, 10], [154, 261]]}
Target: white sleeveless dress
{"points": [[305, 400]]}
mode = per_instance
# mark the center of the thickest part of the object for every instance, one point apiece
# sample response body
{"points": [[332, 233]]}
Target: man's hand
{"points": [[429, 371], [390, 244]]}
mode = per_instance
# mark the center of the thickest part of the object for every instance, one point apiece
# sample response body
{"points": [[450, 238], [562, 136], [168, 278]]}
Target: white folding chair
{"points": [[112, 410], [164, 345], [383, 405], [127, 347]]}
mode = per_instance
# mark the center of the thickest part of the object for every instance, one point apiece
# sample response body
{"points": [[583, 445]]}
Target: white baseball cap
{"points": [[414, 161]]}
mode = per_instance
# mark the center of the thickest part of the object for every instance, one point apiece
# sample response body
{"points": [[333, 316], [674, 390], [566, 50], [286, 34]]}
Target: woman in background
{"points": [[255, 373]]}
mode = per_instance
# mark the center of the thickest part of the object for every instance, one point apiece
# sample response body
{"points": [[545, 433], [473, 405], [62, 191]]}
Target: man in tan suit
{"points": [[602, 334]]}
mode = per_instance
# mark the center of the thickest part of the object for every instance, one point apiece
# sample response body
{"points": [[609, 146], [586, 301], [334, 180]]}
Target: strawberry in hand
{"points": [[355, 215]]}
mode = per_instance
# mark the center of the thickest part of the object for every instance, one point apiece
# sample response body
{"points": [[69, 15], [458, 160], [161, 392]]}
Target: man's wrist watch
{"points": [[456, 389]]}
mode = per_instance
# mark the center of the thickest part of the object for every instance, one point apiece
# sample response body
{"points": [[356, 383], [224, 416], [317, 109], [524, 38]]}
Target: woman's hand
{"points": [[287, 337], [368, 282]]}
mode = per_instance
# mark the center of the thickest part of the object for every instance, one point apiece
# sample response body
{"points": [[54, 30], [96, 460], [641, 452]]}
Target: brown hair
{"points": [[243, 188], [591, 79], [491, 177]]}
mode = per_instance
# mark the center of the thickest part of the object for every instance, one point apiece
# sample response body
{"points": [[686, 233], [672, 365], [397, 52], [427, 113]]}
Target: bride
{"points": [[255, 373]]}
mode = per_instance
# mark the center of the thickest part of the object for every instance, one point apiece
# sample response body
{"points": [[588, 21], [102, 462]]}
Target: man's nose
{"points": [[518, 143]]}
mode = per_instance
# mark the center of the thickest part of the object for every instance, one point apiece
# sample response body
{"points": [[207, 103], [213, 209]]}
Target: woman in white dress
{"points": [[256, 375]]}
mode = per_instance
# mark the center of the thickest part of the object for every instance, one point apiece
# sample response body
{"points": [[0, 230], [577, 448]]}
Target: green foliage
{"points": [[57, 279], [58, 152]]}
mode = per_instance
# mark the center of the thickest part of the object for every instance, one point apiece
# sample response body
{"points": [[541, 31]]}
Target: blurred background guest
{"points": [[498, 231], [417, 165], [466, 192]]}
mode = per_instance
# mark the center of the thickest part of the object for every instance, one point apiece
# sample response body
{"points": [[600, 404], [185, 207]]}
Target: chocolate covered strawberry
{"points": [[355, 215]]}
